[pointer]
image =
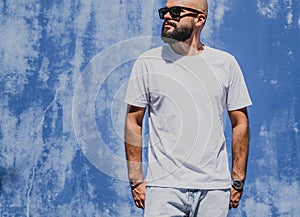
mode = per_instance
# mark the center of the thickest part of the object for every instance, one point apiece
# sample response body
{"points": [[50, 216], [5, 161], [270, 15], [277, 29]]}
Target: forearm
{"points": [[240, 147], [133, 148]]}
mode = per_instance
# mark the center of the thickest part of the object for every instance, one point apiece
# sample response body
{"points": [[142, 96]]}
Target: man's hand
{"points": [[235, 198], [139, 195]]}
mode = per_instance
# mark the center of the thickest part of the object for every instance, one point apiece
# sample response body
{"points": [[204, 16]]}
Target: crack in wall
{"points": [[33, 173]]}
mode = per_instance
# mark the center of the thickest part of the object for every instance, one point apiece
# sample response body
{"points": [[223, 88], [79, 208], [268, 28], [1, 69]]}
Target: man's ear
{"points": [[201, 19]]}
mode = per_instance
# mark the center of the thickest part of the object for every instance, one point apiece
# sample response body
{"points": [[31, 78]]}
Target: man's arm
{"points": [[133, 148], [240, 146]]}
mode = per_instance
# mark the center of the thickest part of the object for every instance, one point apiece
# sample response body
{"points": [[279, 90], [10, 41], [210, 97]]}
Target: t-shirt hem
{"points": [[239, 106], [223, 185], [138, 104]]}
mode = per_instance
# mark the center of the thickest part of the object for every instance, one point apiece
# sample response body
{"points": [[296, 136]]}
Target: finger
{"points": [[140, 204], [136, 203], [233, 204], [230, 205]]}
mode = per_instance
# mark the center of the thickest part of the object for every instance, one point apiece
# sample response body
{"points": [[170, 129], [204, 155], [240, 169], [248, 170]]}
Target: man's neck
{"points": [[188, 48]]}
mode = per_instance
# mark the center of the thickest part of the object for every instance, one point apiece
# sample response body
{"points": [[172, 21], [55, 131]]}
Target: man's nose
{"points": [[168, 16]]}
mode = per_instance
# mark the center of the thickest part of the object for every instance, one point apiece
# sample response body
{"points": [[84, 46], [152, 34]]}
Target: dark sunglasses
{"points": [[175, 11]]}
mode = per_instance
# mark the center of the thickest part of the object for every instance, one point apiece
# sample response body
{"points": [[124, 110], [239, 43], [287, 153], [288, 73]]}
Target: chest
{"points": [[182, 79]]}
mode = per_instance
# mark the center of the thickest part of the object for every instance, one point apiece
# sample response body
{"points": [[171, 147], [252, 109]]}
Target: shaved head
{"points": [[200, 5]]}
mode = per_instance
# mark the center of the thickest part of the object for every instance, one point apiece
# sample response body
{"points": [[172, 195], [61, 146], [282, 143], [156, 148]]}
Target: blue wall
{"points": [[63, 71]]}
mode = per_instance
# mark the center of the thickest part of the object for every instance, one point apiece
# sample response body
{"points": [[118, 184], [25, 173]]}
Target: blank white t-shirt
{"points": [[186, 97]]}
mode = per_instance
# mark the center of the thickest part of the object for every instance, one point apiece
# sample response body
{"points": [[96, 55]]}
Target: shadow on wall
{"points": [[8, 176]]}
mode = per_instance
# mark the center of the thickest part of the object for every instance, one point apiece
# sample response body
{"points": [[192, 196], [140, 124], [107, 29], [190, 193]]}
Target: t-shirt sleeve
{"points": [[237, 95], [137, 90]]}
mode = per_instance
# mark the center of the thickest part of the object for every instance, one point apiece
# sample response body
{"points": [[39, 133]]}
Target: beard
{"points": [[179, 34]]}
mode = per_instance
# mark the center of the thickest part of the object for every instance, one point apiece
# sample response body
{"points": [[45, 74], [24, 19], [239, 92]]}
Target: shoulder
{"points": [[154, 52], [146, 59], [219, 58], [217, 53]]}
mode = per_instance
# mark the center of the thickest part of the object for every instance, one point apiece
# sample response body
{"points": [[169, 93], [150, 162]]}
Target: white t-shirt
{"points": [[186, 97]]}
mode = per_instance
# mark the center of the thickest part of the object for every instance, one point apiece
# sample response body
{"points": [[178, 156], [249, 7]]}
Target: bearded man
{"points": [[186, 86]]}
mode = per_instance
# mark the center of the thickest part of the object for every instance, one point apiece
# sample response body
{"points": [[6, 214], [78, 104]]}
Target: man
{"points": [[186, 87]]}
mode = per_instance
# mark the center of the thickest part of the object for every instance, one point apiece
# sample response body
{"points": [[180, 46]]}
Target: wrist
{"points": [[237, 184], [135, 180], [134, 185], [238, 175]]}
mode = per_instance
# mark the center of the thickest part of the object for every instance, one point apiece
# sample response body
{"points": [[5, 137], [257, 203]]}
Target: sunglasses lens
{"points": [[175, 12], [162, 12]]}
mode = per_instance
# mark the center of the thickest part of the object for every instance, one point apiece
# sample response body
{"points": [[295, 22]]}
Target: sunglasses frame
{"points": [[175, 11]]}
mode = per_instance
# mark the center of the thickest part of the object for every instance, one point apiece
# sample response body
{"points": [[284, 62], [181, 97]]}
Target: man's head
{"points": [[183, 19]]}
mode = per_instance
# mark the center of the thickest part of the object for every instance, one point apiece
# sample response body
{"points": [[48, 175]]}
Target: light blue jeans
{"points": [[178, 202]]}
